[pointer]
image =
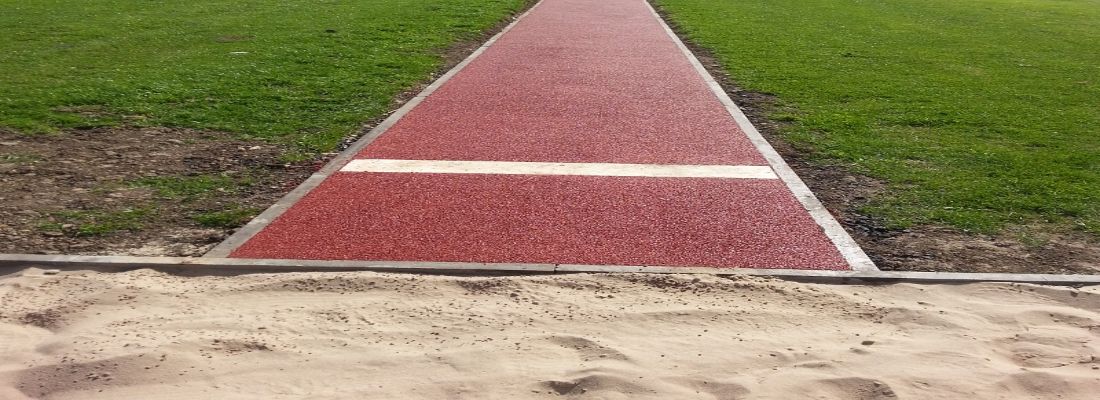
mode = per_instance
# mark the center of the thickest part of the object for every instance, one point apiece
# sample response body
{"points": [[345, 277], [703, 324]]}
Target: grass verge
{"points": [[301, 72], [979, 115], [192, 187]]}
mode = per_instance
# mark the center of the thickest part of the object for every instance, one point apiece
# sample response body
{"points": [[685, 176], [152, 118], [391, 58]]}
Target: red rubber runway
{"points": [[575, 81]]}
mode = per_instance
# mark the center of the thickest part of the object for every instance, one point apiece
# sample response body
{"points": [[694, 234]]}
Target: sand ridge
{"points": [[151, 335]]}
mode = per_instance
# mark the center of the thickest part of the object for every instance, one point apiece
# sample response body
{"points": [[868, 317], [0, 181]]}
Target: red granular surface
{"points": [[549, 219]]}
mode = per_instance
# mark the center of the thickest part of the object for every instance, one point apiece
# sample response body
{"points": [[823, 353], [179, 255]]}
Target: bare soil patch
{"points": [[920, 248], [135, 191]]}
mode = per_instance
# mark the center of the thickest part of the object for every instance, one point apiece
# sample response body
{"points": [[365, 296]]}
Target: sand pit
{"points": [[363, 335]]}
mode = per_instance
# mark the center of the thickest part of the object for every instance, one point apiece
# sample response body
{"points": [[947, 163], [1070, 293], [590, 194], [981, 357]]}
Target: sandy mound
{"points": [[149, 335]]}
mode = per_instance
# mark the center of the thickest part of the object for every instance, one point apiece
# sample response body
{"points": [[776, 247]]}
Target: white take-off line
{"points": [[552, 168]]}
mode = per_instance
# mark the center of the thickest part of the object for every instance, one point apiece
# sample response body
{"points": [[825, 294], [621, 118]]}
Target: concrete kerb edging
{"points": [[261, 221], [12, 263], [853, 254]]}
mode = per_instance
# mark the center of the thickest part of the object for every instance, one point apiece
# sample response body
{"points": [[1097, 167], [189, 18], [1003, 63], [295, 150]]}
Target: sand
{"points": [[362, 335]]}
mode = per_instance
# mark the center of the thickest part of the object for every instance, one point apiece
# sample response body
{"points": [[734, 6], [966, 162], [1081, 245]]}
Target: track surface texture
{"points": [[586, 84]]}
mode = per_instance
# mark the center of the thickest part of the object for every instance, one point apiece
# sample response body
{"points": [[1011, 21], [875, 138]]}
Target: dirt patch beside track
{"points": [[139, 191]]}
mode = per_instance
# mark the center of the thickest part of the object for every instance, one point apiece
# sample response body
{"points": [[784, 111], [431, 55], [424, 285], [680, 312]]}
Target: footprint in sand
{"points": [[1036, 351], [856, 388], [593, 383], [588, 349], [719, 390], [49, 379], [1042, 385]]}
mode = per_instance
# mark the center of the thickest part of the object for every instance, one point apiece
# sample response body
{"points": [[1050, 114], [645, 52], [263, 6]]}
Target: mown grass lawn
{"points": [[979, 114], [304, 72]]}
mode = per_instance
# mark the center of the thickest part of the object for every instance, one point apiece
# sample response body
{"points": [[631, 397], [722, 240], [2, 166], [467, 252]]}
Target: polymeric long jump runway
{"points": [[585, 133]]}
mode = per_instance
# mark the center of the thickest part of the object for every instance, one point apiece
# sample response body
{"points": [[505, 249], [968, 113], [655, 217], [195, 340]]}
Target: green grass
{"points": [[192, 187], [979, 114], [303, 72], [18, 158], [228, 218], [94, 222]]}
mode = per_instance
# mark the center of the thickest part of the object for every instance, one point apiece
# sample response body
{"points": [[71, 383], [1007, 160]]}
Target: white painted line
{"points": [[857, 259], [547, 168]]}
